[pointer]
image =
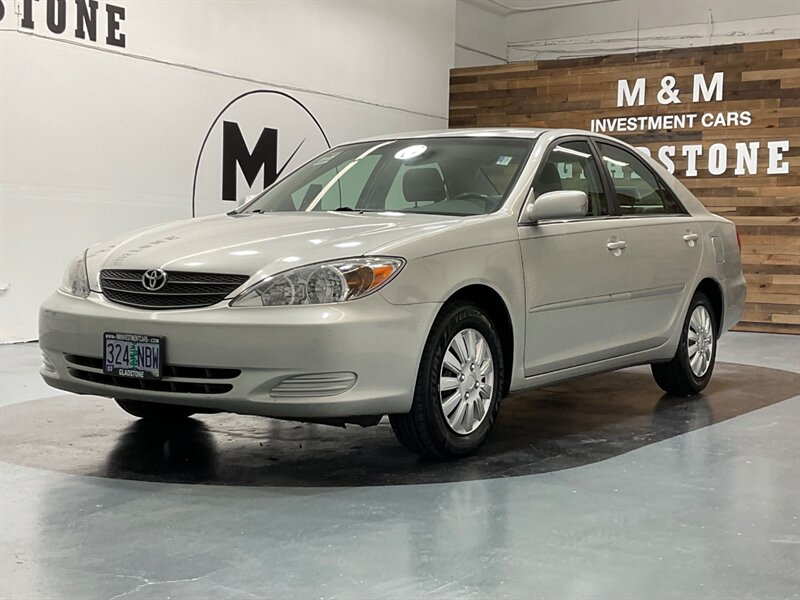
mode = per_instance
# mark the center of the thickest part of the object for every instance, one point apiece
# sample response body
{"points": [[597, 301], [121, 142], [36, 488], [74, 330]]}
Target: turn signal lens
{"points": [[380, 274], [76, 280], [323, 283]]}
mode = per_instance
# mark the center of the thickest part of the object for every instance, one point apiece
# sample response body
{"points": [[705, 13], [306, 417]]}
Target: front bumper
{"points": [[381, 343]]}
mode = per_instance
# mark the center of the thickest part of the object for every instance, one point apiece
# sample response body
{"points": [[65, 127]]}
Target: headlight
{"points": [[322, 283], [76, 280]]}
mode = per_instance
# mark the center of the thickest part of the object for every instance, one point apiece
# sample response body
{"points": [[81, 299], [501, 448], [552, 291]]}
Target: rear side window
{"points": [[571, 166], [639, 191]]}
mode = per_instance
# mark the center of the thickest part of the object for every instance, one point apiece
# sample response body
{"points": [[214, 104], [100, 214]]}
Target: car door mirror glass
{"points": [[561, 204]]}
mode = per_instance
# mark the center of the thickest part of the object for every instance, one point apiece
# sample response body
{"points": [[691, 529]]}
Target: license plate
{"points": [[132, 355]]}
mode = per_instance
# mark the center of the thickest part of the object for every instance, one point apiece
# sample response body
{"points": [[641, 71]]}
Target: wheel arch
{"points": [[491, 302], [713, 291]]}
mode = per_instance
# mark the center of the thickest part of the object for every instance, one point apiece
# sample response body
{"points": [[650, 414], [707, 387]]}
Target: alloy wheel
{"points": [[700, 341], [466, 381]]}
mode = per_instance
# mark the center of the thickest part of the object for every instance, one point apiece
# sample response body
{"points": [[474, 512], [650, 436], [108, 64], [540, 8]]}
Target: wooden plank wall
{"points": [[763, 78]]}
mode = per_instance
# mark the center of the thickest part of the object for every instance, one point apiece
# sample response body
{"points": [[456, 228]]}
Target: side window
{"points": [[639, 191], [571, 166], [671, 203]]}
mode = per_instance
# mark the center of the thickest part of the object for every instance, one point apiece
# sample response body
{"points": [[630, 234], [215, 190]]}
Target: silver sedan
{"points": [[420, 276]]}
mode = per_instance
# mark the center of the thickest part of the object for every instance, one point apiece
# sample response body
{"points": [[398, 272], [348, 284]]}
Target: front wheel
{"points": [[458, 389], [689, 371], [154, 410]]}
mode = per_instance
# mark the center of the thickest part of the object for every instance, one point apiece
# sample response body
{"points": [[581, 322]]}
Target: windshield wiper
{"points": [[360, 211]]}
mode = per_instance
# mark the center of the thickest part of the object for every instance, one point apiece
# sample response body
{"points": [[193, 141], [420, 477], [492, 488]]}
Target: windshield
{"points": [[453, 176]]}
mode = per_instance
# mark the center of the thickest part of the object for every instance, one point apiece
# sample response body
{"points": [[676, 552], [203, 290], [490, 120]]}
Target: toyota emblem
{"points": [[154, 279]]}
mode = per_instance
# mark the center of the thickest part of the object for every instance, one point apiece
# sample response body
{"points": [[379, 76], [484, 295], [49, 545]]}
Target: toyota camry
{"points": [[424, 277]]}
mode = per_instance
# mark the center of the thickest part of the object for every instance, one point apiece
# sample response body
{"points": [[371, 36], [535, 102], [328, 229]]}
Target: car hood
{"points": [[259, 244]]}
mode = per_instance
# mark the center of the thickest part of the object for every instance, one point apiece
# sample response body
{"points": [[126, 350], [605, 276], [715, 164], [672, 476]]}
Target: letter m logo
{"points": [[628, 96], [235, 152]]}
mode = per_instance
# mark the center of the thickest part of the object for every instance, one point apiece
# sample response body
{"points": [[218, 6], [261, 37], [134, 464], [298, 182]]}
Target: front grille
{"points": [[168, 370], [153, 385], [90, 368], [182, 290]]}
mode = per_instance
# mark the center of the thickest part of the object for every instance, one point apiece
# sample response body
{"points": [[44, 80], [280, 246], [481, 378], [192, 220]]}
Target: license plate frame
{"points": [[144, 362]]}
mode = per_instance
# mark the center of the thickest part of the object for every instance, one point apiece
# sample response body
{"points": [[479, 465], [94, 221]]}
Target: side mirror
{"points": [[561, 204]]}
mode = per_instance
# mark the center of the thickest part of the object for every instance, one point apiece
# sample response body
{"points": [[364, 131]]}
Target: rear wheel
{"points": [[458, 389], [155, 410], [690, 369]]}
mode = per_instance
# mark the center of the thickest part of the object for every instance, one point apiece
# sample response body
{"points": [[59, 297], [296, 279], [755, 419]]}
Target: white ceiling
{"points": [[508, 7]]}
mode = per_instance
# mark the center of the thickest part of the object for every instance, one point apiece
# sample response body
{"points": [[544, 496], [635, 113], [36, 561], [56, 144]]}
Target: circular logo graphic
{"points": [[154, 279], [258, 137]]}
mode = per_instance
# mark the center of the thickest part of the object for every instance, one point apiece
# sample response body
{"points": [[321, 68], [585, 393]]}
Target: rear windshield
{"points": [[453, 176]]}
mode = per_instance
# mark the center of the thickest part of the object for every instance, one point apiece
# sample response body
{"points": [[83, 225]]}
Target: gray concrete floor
{"points": [[712, 513]]}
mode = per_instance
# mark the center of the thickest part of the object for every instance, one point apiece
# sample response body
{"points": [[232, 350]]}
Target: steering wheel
{"points": [[473, 196]]}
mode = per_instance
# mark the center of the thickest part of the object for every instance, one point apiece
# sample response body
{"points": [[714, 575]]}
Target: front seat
{"points": [[549, 180], [424, 184]]}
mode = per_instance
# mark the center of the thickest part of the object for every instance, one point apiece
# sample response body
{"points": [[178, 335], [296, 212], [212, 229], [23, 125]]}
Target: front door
{"points": [[576, 271]]}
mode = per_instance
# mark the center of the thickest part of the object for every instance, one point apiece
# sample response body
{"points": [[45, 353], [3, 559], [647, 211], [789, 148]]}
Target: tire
{"points": [[427, 430], [681, 376], [154, 410]]}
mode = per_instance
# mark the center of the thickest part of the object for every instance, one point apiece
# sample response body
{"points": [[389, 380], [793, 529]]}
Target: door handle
{"points": [[690, 238], [616, 247]]}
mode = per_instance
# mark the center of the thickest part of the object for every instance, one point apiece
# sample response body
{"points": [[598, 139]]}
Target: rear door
{"points": [[664, 243], [576, 270]]}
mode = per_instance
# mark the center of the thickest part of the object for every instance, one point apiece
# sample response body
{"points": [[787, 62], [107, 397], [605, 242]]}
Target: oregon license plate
{"points": [[132, 355]]}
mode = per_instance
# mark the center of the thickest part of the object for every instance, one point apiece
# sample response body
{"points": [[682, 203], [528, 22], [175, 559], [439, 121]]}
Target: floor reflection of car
{"points": [[424, 277]]}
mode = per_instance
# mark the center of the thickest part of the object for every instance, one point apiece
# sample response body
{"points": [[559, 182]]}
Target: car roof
{"points": [[500, 132]]}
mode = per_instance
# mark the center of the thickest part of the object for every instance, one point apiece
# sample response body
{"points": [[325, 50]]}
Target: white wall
{"points": [[497, 31], [480, 36], [619, 26], [96, 140]]}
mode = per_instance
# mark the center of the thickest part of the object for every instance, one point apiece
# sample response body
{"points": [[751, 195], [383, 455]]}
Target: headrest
{"points": [[549, 180], [423, 185]]}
